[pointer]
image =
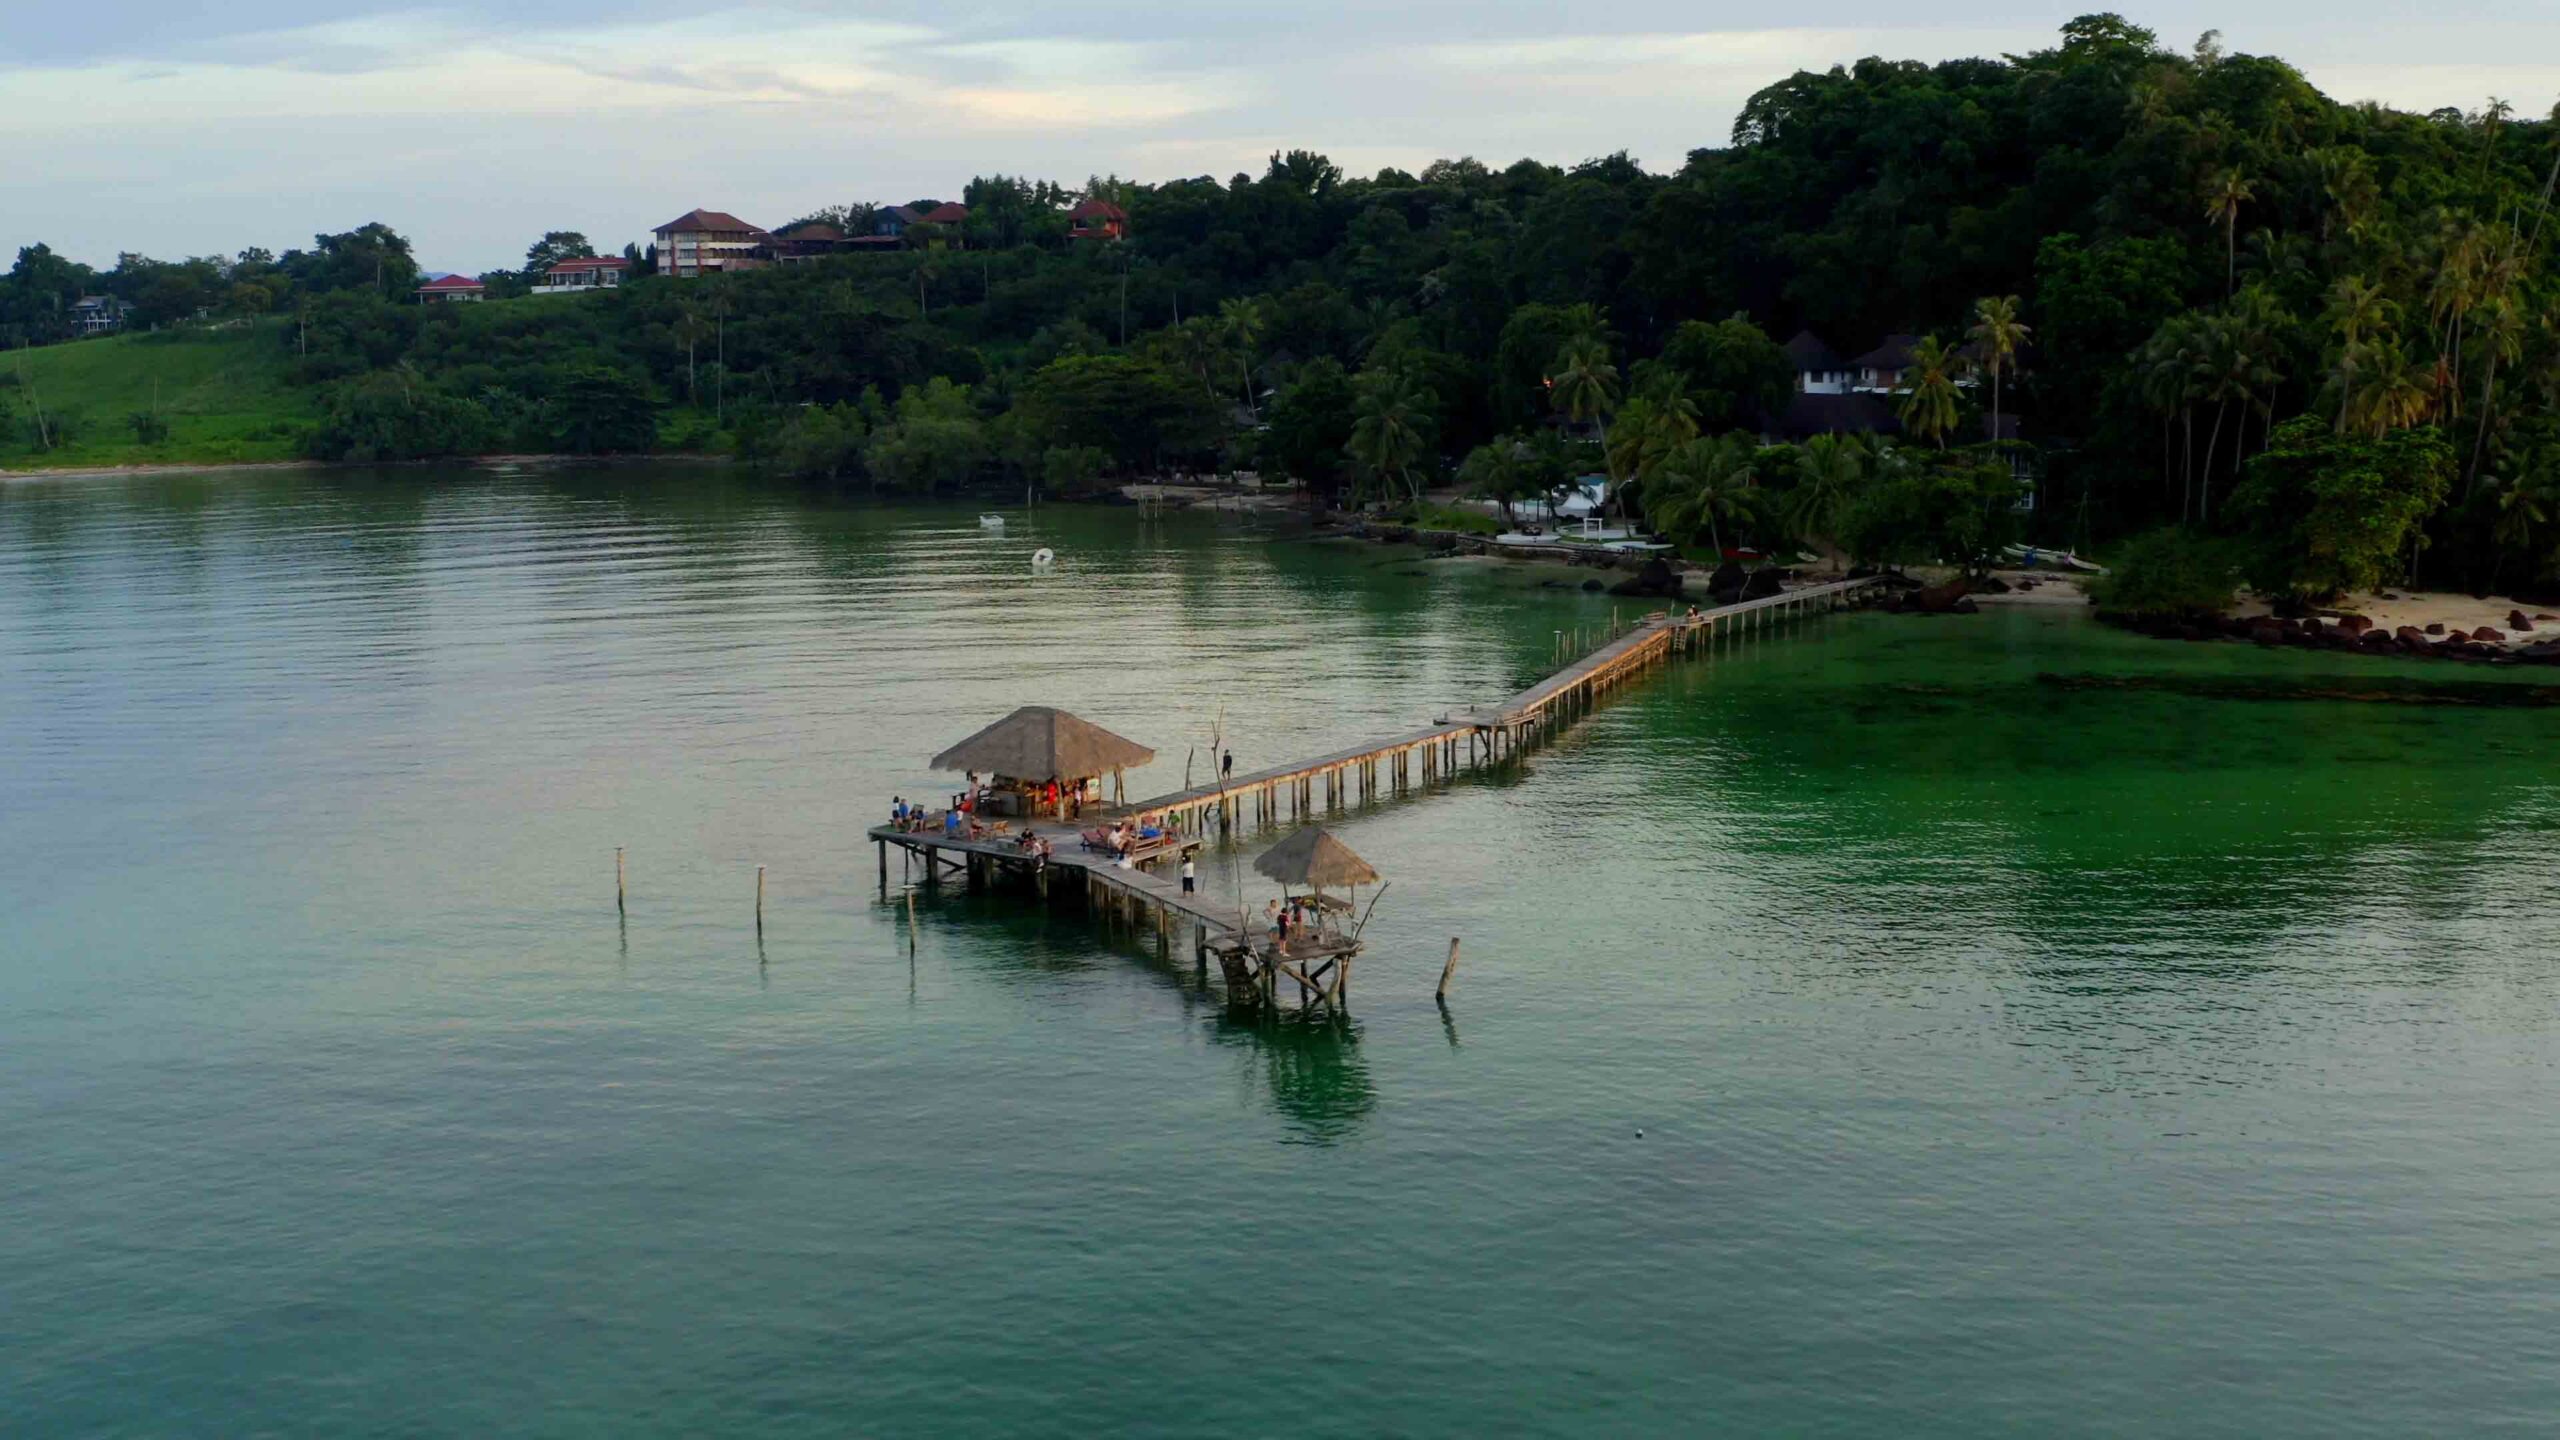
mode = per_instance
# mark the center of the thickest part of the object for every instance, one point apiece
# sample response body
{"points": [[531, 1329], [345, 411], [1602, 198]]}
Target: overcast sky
{"points": [[176, 127]]}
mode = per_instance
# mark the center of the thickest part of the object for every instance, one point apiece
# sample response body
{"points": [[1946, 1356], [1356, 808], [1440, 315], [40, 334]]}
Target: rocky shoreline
{"points": [[2346, 630]]}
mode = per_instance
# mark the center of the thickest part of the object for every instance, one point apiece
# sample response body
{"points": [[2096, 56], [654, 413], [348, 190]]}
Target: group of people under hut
{"points": [[1299, 918]]}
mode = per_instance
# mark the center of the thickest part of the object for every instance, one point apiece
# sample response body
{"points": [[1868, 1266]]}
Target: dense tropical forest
{"points": [[2149, 287]]}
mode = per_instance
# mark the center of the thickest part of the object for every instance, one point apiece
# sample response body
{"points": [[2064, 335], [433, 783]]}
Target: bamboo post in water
{"points": [[911, 924], [759, 899], [619, 907], [1448, 972]]}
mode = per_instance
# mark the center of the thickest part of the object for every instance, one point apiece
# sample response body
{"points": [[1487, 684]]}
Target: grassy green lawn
{"points": [[224, 393]]}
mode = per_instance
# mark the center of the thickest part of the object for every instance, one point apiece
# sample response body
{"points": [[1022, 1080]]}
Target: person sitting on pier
{"points": [[898, 813], [951, 819]]}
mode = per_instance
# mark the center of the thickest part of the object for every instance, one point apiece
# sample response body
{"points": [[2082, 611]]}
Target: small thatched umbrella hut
{"points": [[1315, 859], [1037, 744]]}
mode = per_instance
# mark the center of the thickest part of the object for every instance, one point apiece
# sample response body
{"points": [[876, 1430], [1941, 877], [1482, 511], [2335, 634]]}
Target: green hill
{"points": [[225, 394]]}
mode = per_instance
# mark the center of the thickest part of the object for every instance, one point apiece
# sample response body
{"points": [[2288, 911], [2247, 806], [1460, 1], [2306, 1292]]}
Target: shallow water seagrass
{"points": [[1861, 1033]]}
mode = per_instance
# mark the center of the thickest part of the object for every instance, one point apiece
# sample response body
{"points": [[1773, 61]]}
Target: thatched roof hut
{"points": [[1315, 859], [1039, 743]]}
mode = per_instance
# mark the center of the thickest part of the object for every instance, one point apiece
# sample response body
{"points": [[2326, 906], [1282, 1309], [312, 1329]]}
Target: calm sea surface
{"points": [[1864, 1032]]}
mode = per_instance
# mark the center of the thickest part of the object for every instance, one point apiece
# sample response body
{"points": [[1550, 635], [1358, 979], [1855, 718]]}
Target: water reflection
{"points": [[1308, 1065]]}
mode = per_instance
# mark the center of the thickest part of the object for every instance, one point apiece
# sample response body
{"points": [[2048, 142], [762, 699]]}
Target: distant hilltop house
{"points": [[1097, 220], [806, 242], [710, 242], [451, 290], [97, 314], [583, 276]]}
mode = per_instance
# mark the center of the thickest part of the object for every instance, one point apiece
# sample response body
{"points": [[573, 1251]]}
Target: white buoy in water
{"points": [[1043, 558]]}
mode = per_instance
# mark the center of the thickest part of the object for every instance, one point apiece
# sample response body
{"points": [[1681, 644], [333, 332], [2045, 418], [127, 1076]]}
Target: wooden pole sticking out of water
{"points": [[911, 924], [1448, 972], [619, 907], [759, 899]]}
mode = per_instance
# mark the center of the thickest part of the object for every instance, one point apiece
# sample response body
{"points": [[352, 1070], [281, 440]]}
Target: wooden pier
{"points": [[1454, 744]]}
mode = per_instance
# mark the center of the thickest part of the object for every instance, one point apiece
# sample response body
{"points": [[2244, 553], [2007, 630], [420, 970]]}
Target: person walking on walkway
{"points": [[1189, 875], [1227, 766]]}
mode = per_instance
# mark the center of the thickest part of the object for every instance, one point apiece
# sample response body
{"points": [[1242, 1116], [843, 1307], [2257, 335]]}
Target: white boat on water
{"points": [[990, 522]]}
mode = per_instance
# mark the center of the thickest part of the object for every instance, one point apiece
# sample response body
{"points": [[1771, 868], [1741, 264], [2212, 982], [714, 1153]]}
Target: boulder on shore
{"points": [[2353, 623], [2488, 634], [1654, 578], [1764, 582], [2435, 627], [1939, 599], [2516, 621], [1727, 582]]}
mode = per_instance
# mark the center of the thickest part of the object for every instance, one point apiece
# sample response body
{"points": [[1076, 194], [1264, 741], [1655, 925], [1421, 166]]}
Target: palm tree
{"points": [[2356, 309], [2522, 505], [2501, 333], [1702, 484], [2394, 393], [1240, 321], [1584, 386], [1929, 400], [689, 327], [1390, 429], [1660, 419], [1829, 472], [2224, 194], [1997, 331]]}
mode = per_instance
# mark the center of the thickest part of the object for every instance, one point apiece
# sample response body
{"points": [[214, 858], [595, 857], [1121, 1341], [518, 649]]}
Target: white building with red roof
{"points": [[451, 289], [583, 276]]}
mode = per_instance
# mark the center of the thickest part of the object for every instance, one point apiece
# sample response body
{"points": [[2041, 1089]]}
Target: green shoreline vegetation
{"points": [[2127, 289]]}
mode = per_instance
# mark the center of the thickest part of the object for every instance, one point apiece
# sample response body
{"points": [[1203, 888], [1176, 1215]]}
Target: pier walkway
{"points": [[1449, 745]]}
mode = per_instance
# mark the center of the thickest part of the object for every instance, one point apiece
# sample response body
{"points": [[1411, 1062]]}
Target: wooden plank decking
{"points": [[1457, 741]]}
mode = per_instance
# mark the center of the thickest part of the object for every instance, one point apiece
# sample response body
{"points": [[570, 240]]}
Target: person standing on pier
{"points": [[1189, 874], [1227, 766]]}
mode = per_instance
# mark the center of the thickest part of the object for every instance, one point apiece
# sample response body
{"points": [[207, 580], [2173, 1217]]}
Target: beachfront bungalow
{"points": [[1819, 369], [1097, 220], [451, 290], [710, 242], [583, 276]]}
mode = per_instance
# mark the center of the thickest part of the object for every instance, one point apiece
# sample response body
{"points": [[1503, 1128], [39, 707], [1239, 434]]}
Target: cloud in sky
{"points": [[174, 128]]}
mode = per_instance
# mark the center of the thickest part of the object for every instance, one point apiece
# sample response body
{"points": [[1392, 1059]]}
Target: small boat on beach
{"points": [[990, 522]]}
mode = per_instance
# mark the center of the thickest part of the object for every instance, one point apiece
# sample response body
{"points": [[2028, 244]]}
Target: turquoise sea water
{"points": [[1882, 1029]]}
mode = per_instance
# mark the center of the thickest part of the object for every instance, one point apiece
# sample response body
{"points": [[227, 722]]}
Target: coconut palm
{"points": [[1497, 471], [1997, 332], [1658, 420], [1583, 386], [1703, 484], [2523, 505], [2224, 194], [1830, 470], [2501, 339], [2357, 309], [1929, 399], [1391, 430], [2393, 391], [1240, 324]]}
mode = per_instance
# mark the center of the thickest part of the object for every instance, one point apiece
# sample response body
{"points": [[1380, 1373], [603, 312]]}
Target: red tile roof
{"points": [[1097, 210], [452, 282], [949, 212], [711, 220]]}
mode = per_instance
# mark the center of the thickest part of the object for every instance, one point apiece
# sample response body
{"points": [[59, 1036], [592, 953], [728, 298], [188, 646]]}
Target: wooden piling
{"points": [[619, 908], [759, 899], [1448, 972]]}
